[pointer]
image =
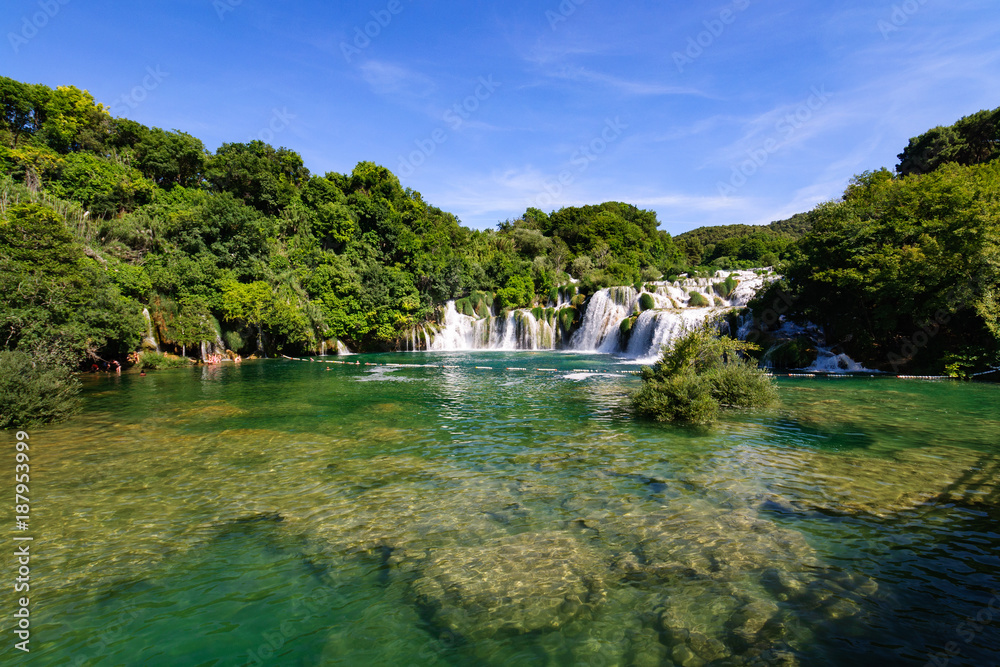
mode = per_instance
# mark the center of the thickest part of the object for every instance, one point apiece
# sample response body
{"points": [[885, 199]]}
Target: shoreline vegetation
{"points": [[116, 237]]}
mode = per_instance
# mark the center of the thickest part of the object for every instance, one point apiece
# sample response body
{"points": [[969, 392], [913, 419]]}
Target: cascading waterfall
{"points": [[605, 312], [150, 339], [516, 330], [671, 313], [599, 331]]}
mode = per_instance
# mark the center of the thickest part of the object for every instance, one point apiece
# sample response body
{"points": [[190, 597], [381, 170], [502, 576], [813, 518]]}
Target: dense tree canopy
{"points": [[247, 246], [906, 271], [972, 140]]}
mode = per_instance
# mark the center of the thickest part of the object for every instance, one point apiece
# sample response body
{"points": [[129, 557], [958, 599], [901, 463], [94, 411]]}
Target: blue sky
{"points": [[708, 113]]}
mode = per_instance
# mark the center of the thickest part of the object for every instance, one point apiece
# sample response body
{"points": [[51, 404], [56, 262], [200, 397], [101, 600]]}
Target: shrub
{"points": [[154, 361], [234, 341], [651, 273], [698, 300], [35, 392], [683, 398], [698, 374], [646, 301], [726, 288]]}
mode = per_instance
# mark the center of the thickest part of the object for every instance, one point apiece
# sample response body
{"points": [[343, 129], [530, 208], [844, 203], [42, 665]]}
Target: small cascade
{"points": [[150, 339], [830, 362], [672, 313], [517, 330], [605, 312], [322, 348], [342, 350]]}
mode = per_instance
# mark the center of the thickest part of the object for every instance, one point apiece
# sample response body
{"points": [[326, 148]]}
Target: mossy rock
{"points": [[578, 300], [568, 318], [797, 353], [464, 306], [698, 300], [646, 302]]}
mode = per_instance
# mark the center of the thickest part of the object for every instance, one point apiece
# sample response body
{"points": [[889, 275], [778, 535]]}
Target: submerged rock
{"points": [[514, 585], [850, 484]]}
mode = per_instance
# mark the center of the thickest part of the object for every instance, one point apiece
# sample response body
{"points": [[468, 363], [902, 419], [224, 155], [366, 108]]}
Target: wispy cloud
{"points": [[396, 81], [624, 86]]}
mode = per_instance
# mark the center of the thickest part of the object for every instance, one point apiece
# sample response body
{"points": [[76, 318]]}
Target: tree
{"points": [[104, 187], [261, 176], [170, 158], [193, 323]]}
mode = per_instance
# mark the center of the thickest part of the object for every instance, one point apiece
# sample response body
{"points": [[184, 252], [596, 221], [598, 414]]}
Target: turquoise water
{"points": [[289, 513]]}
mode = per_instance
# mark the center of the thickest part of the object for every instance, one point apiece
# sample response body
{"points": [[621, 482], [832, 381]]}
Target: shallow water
{"points": [[282, 513]]}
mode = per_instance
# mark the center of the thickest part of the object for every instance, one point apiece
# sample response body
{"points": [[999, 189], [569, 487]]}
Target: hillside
{"points": [[743, 246]]}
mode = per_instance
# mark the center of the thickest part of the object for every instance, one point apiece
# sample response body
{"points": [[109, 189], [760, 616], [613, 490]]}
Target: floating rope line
{"points": [[612, 372]]}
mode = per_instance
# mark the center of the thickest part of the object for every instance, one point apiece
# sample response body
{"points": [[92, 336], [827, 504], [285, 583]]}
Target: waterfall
{"points": [[670, 315], [342, 350], [150, 339], [605, 312], [517, 330], [600, 330], [829, 362]]}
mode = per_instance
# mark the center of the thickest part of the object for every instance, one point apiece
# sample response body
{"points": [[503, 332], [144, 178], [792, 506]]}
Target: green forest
{"points": [[102, 218]]}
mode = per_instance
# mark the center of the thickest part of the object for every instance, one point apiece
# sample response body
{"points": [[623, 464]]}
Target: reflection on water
{"points": [[281, 513]]}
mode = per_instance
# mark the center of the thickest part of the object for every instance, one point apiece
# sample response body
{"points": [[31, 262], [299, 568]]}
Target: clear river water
{"points": [[290, 513]]}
